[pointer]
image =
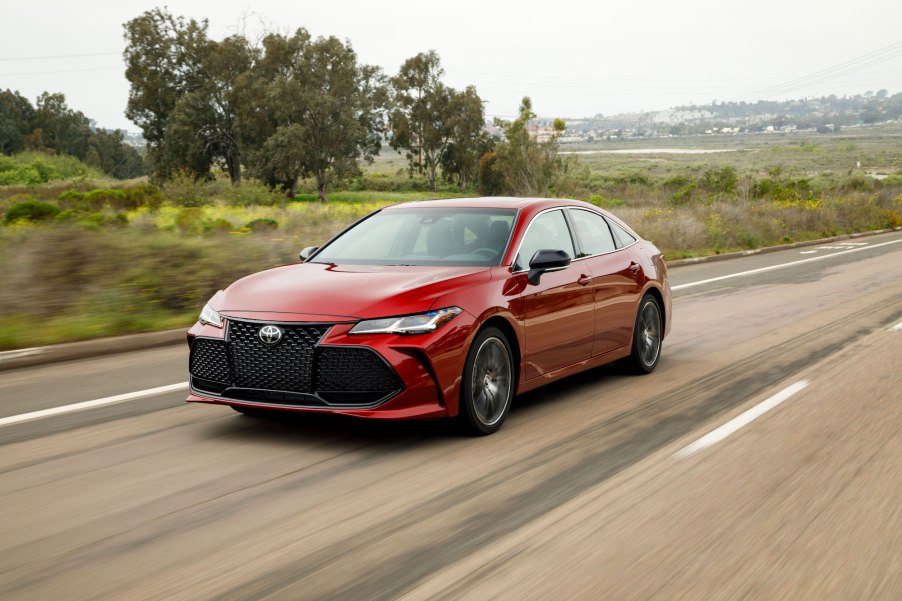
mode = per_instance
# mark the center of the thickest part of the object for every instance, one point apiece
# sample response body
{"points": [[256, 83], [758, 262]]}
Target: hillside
{"points": [[823, 115]]}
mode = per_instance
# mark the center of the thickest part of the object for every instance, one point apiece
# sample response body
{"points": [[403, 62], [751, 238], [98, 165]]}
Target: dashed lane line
{"points": [[741, 420], [782, 265], [119, 398]]}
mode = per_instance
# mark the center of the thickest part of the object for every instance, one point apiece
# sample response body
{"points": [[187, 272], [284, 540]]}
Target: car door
{"points": [[558, 313], [616, 280]]}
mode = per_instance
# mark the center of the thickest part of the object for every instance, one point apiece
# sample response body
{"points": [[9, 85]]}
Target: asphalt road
{"points": [[762, 460]]}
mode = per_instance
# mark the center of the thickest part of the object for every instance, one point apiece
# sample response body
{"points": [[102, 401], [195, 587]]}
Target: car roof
{"points": [[494, 202]]}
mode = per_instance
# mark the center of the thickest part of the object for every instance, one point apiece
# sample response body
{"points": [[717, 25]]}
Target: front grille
{"points": [[287, 365], [209, 360], [343, 369], [295, 371]]}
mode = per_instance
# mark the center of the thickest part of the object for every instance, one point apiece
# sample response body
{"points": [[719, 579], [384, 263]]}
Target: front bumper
{"points": [[384, 376]]}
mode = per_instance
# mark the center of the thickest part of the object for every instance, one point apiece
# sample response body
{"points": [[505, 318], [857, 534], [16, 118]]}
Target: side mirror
{"points": [[307, 252], [546, 260]]}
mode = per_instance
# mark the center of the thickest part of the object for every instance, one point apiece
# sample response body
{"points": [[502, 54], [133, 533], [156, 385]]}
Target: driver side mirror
{"points": [[546, 260], [307, 252]]}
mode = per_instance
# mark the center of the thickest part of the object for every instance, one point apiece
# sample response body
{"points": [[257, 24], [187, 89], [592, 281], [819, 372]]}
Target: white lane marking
{"points": [[740, 420], [22, 352], [783, 265], [807, 252], [128, 396], [897, 327]]}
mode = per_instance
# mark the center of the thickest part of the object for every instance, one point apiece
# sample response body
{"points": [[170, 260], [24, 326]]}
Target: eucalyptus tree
{"points": [[165, 58], [420, 118], [322, 109]]}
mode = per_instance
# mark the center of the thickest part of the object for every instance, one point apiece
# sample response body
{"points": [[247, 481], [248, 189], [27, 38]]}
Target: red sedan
{"points": [[444, 308]]}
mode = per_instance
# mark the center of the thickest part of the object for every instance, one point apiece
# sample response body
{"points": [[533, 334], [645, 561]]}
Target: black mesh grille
{"points": [[208, 360], [293, 371], [287, 365], [354, 370]]}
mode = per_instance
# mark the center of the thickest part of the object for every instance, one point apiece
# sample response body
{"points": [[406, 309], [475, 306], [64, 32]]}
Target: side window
{"points": [[593, 233], [547, 231], [624, 238]]}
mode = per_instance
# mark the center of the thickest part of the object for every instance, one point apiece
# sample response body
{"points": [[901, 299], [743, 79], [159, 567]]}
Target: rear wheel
{"points": [[488, 383], [648, 334]]}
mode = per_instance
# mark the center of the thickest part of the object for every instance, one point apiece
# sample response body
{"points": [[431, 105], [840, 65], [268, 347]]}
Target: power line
{"points": [[49, 57], [856, 64], [119, 68]]}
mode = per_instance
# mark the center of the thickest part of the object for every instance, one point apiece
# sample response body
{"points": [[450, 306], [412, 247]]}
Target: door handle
{"points": [[634, 267], [583, 280]]}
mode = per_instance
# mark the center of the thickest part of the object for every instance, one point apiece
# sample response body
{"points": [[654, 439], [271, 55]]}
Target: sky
{"points": [[574, 59]]}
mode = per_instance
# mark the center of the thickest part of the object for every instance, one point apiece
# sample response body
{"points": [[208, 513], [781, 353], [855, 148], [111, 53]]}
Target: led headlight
{"points": [[211, 317], [409, 324]]}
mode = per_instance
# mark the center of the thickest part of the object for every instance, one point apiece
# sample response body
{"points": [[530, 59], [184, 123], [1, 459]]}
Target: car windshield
{"points": [[424, 236]]}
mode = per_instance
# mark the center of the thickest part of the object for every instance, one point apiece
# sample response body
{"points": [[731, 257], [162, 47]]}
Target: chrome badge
{"points": [[270, 334]]}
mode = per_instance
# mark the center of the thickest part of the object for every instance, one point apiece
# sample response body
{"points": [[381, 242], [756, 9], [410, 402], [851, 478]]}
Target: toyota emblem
{"points": [[270, 334]]}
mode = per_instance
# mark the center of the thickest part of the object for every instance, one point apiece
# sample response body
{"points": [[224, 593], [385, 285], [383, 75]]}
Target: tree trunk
{"points": [[234, 167], [293, 188], [462, 179], [321, 187], [432, 167]]}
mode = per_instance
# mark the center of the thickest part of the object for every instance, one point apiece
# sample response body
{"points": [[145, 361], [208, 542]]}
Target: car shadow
{"points": [[285, 427], [562, 389]]}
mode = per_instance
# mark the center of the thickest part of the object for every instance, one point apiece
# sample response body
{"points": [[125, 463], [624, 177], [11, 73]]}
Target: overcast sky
{"points": [[574, 59]]}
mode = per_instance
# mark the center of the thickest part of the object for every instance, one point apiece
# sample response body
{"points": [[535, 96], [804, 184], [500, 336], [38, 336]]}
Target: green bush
{"points": [[261, 225], [132, 197], [219, 225], [21, 174], [251, 193], [34, 168], [6, 163], [605, 203], [30, 210]]}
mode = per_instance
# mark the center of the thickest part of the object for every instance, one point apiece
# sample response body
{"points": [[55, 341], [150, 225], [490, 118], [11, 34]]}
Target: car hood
{"points": [[344, 292]]}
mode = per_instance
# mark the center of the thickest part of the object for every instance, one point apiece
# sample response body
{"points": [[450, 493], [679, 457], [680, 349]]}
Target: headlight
{"points": [[410, 324], [211, 317]]}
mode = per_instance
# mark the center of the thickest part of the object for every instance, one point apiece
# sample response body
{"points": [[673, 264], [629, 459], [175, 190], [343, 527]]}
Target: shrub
{"points": [[264, 224], [218, 225], [186, 191], [719, 181], [605, 203], [130, 198], [251, 193], [30, 210]]}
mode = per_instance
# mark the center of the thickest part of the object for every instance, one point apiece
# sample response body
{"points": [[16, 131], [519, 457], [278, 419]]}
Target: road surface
{"points": [[762, 460]]}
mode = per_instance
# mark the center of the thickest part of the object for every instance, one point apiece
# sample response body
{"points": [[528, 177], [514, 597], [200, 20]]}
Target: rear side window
{"points": [[624, 238], [547, 231], [592, 230]]}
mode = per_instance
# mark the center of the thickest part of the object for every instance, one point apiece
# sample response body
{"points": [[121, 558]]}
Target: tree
{"points": [[16, 118], [209, 113], [469, 140], [528, 167], [109, 153], [164, 62], [324, 110], [64, 130], [420, 119], [273, 156]]}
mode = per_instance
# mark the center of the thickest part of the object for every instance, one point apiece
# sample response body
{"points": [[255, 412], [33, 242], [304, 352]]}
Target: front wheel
{"points": [[488, 383], [648, 334]]}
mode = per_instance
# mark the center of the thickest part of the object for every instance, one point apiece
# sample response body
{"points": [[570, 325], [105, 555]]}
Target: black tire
{"points": [[648, 336], [488, 384]]}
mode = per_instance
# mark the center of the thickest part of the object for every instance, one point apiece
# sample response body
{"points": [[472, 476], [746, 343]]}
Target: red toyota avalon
{"points": [[443, 308]]}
